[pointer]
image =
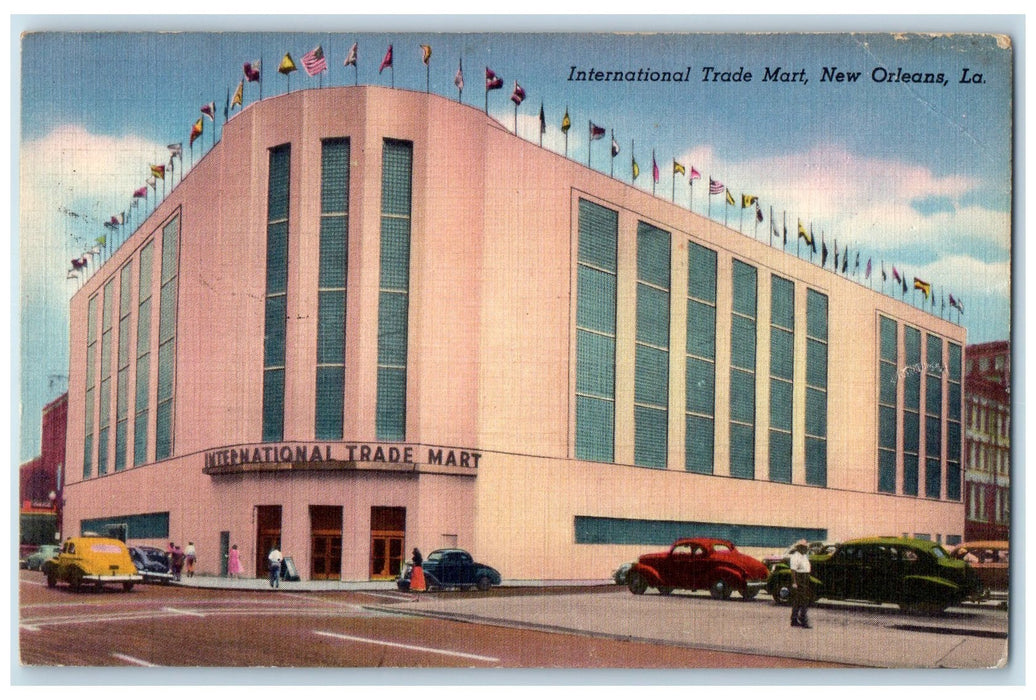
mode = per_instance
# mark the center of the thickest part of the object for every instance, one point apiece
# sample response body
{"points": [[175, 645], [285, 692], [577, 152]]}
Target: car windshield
{"points": [[434, 556], [939, 553]]}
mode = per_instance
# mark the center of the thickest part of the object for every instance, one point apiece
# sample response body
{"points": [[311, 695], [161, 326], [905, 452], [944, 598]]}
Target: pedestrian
{"points": [[189, 558], [801, 587], [275, 558], [234, 563], [177, 561], [417, 582]]}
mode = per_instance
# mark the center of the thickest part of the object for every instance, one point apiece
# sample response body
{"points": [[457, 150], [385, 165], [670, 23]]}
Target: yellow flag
{"points": [[677, 168], [730, 199], [566, 123], [426, 53], [239, 95], [287, 65], [748, 200]]}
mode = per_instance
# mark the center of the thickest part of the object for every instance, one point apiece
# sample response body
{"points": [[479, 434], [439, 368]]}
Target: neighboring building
{"points": [[373, 319], [40, 478], [987, 441]]}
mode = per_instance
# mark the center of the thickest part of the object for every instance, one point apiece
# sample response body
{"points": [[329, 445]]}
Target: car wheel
{"points": [[637, 583], [484, 584], [51, 581], [782, 594], [127, 586], [720, 590], [75, 580], [665, 590]]}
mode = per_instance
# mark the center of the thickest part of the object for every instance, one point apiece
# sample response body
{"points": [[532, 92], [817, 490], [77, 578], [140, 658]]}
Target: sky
{"points": [[907, 174]]}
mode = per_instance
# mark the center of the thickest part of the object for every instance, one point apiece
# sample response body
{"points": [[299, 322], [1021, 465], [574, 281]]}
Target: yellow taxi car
{"points": [[93, 560]]}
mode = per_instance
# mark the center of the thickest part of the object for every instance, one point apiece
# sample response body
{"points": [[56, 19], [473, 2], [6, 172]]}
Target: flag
{"points": [[715, 186], [804, 234], [239, 95], [867, 275], [350, 60], [730, 199], [677, 168], [566, 123], [251, 71], [518, 95], [101, 240], [884, 277], [596, 132], [287, 65], [823, 252], [695, 175], [175, 149], [493, 81], [923, 286], [543, 120], [902, 281], [615, 147], [773, 225], [153, 181], [158, 171], [426, 53], [387, 61], [856, 263], [314, 61], [845, 260], [635, 167], [758, 213], [956, 303], [196, 130], [79, 263], [142, 192], [458, 79], [748, 200], [895, 274], [654, 167], [209, 110]]}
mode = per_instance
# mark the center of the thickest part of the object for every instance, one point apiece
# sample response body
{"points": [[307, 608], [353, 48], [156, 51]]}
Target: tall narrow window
{"points": [[701, 360], [816, 388], [953, 420], [104, 409], [334, 263], [911, 410], [933, 416], [141, 404], [276, 292], [394, 292], [91, 386], [167, 339], [888, 377], [782, 373], [742, 370], [595, 332], [122, 410], [651, 394]]}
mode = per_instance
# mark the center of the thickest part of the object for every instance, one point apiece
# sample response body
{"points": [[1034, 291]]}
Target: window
{"points": [[933, 416], [595, 332], [782, 369], [104, 408], [143, 354], [742, 371], [816, 388], [122, 411], [911, 410], [91, 381], [276, 312], [701, 360], [167, 340], [651, 393], [888, 376], [954, 436]]}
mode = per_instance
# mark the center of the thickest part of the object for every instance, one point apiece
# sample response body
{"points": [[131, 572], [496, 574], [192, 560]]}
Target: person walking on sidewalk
{"points": [[275, 558], [417, 582], [234, 563], [801, 589], [190, 556]]}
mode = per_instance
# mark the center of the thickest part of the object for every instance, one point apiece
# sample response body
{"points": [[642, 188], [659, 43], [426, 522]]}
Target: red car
{"points": [[699, 563]]}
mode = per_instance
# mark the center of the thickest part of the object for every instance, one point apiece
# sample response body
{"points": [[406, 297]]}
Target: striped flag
{"points": [[314, 61], [715, 186], [493, 81], [518, 95], [923, 286]]}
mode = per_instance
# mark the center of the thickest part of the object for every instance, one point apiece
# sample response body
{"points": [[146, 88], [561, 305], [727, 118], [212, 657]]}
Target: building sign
{"points": [[339, 455]]}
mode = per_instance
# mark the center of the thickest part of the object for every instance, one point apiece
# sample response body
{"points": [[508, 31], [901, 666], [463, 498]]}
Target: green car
{"points": [[916, 574]]}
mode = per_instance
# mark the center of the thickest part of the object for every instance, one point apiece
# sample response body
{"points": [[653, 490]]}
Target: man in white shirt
{"points": [[800, 584], [275, 559]]}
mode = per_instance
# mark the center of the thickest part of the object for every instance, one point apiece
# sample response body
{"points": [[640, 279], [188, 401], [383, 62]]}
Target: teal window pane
{"points": [[953, 443], [331, 327], [596, 300], [102, 452], [887, 332], [816, 462], [742, 451], [652, 376], [953, 481], [273, 405], [954, 362], [595, 364], [699, 445], [887, 427], [167, 312], [164, 430], [140, 438], [397, 158], [701, 329], [277, 257], [91, 365], [911, 387], [742, 343], [595, 429], [334, 172], [782, 302], [120, 444], [933, 395], [143, 382], [106, 354], [886, 471], [91, 320], [816, 363], [392, 328], [780, 405], [276, 326], [88, 454], [780, 456], [887, 389], [782, 353], [912, 347], [109, 296], [816, 414], [144, 327], [933, 351], [125, 290], [816, 315], [395, 253], [652, 255], [330, 402], [701, 283], [652, 316], [104, 415], [933, 436], [911, 431], [598, 235], [144, 273], [124, 341], [742, 396], [91, 395], [391, 409], [910, 474], [701, 386], [651, 435], [165, 371], [122, 394], [278, 184], [334, 253], [744, 292], [170, 249], [954, 401], [932, 478]]}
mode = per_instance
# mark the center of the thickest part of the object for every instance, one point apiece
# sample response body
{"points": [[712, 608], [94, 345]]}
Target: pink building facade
{"points": [[369, 320]]}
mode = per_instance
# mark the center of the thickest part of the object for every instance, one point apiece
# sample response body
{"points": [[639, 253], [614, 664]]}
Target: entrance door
{"points": [[224, 552], [267, 536], [388, 530], [325, 553]]}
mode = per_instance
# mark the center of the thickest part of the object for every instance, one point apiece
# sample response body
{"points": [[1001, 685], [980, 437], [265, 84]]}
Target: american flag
{"points": [[596, 132], [314, 61], [715, 186], [518, 95]]}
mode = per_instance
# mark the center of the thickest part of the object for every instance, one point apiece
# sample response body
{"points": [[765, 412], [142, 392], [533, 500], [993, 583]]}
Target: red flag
{"points": [[251, 71], [196, 131], [387, 61], [596, 132], [518, 95], [142, 192], [493, 81], [209, 110]]}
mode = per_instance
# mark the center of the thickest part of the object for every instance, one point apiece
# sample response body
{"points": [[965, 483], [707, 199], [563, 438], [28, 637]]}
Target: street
{"points": [[589, 627]]}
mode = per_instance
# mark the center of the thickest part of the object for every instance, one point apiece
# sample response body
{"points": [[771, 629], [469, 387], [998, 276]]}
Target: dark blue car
{"points": [[452, 568]]}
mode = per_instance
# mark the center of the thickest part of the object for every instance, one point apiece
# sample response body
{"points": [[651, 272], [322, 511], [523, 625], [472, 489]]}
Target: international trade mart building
{"points": [[370, 320]]}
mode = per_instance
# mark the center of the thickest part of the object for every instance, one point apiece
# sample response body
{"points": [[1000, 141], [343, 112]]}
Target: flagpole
{"points": [[811, 246], [613, 154], [771, 226], [262, 68], [672, 194], [690, 201], [589, 141], [741, 217]]}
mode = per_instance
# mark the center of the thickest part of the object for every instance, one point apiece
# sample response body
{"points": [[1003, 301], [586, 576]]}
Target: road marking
{"points": [[132, 660], [390, 596], [183, 612], [414, 647]]}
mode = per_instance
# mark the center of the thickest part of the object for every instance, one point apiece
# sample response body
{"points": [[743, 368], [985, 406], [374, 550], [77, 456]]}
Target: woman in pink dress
{"points": [[234, 563]]}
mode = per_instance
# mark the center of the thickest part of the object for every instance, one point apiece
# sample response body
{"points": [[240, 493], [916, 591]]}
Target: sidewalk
{"points": [[256, 584]]}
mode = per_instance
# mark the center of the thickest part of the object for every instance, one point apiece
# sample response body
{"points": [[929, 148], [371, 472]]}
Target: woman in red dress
{"points": [[417, 573]]}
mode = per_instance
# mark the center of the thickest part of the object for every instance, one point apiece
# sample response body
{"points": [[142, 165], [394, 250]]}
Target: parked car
{"points": [[918, 575], [620, 574], [96, 560], [815, 547], [452, 568], [152, 563], [34, 561], [990, 560], [700, 563]]}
